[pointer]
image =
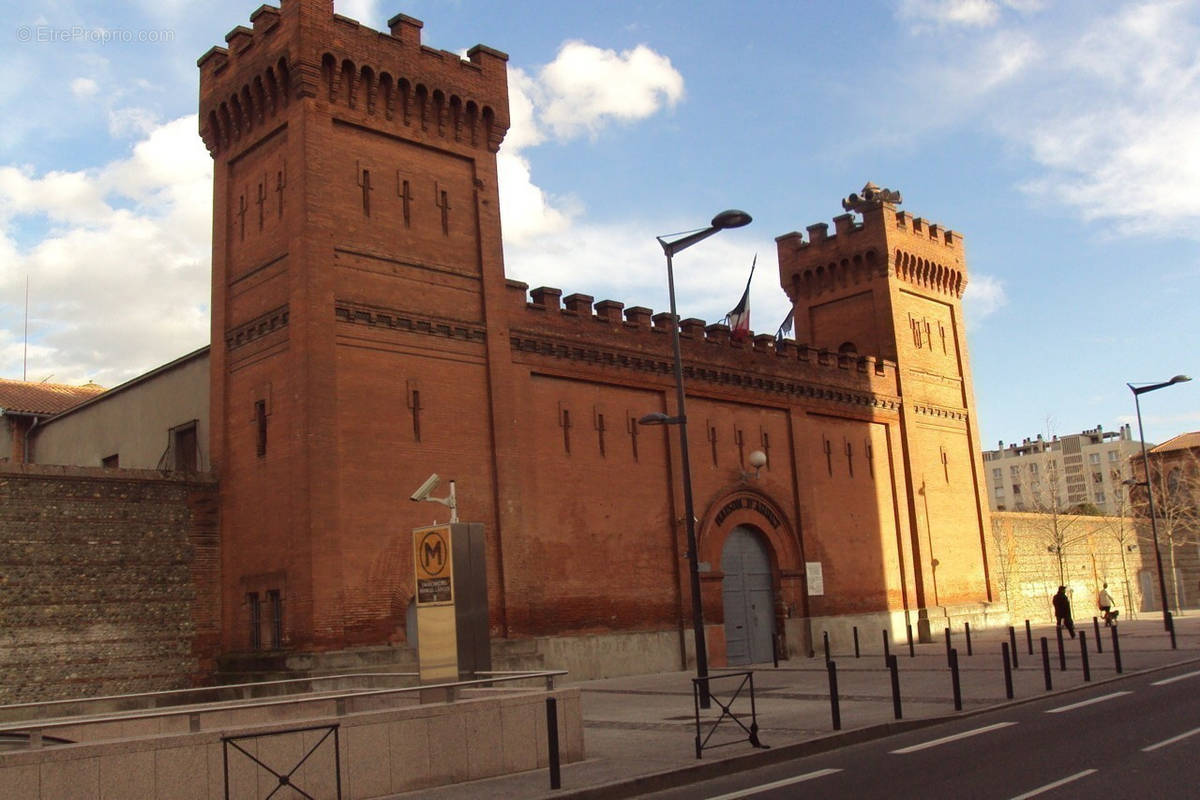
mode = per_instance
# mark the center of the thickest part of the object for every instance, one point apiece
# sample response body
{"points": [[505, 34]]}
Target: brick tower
{"points": [[891, 286], [356, 251]]}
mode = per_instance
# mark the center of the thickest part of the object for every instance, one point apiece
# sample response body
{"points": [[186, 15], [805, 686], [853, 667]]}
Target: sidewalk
{"points": [[639, 731]]}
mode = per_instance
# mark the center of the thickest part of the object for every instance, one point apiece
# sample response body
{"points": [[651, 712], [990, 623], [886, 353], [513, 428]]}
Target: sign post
{"points": [[433, 565]]}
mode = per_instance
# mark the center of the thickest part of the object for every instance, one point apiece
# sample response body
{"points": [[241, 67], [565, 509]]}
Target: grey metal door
{"points": [[748, 598]]}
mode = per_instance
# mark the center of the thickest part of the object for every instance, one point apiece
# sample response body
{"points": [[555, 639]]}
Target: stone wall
{"points": [[108, 581], [1095, 550]]}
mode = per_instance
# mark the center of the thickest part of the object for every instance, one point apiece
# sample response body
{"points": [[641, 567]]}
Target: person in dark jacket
{"points": [[1062, 610]]}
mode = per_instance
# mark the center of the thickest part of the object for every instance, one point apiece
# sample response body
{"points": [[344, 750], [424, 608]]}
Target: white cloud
{"points": [[365, 11], [1107, 106], [984, 296], [950, 12], [582, 90], [84, 87], [120, 283], [586, 86]]}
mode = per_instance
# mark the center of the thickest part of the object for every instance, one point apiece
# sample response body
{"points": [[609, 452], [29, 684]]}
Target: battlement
{"points": [[391, 79], [884, 242], [546, 310]]}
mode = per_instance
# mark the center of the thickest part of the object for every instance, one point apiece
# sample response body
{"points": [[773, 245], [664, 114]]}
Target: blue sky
{"points": [[1060, 138]]}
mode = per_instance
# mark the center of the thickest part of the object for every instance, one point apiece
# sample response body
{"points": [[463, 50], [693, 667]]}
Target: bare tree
{"points": [[1175, 479]]}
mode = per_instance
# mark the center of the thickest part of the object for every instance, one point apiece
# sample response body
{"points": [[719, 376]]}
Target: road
{"points": [[1138, 737]]}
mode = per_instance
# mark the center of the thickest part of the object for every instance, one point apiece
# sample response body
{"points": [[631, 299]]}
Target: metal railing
{"points": [[343, 702]]}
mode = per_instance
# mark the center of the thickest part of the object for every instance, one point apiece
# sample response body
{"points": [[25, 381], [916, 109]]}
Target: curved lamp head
{"points": [[1176, 379], [733, 218]]}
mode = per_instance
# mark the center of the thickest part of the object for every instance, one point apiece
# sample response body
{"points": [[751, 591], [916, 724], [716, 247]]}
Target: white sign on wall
{"points": [[815, 578]]}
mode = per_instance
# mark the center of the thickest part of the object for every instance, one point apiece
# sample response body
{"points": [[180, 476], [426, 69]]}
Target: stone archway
{"points": [[748, 597]]}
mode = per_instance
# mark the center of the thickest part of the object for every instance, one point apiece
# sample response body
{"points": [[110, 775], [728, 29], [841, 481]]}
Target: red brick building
{"points": [[365, 335]]}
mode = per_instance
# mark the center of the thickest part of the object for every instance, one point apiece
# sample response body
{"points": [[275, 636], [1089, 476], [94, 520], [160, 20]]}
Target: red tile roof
{"points": [[1184, 441], [23, 397]]}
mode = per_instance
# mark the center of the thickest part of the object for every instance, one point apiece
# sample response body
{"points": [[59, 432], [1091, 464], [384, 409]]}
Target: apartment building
{"points": [[1062, 473]]}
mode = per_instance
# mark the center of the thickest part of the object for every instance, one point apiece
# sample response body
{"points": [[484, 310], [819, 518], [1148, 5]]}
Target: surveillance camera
{"points": [[426, 488]]}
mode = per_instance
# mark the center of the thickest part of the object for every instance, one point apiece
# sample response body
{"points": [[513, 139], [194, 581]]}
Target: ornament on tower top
{"points": [[871, 197]]}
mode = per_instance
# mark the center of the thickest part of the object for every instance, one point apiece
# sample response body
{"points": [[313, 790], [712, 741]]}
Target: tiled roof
{"points": [[43, 398], [1184, 441]]}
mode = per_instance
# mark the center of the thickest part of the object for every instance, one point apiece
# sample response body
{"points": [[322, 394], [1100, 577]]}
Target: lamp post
{"points": [[726, 219], [1138, 390]]}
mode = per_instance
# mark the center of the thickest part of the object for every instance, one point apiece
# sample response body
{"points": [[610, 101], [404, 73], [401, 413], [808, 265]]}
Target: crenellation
{"points": [[663, 321], [609, 310], [239, 39], [546, 297], [638, 316], [818, 232], [264, 19], [719, 333], [406, 29], [690, 328], [844, 224], [454, 98], [580, 304]]}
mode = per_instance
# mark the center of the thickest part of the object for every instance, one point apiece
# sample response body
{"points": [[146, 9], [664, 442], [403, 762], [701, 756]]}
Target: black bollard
{"points": [[954, 682], [1028, 638], [1096, 625], [1012, 638], [1062, 656], [887, 646], [552, 741], [947, 644], [1008, 687], [1116, 650], [833, 696], [894, 668], [1046, 662], [825, 636], [856, 653], [1171, 628], [967, 633], [1087, 672], [912, 653]]}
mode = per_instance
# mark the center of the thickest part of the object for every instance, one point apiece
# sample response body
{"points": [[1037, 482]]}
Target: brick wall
{"points": [[108, 581]]}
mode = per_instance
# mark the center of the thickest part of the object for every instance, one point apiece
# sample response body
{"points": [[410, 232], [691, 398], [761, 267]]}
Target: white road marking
{"points": [[1165, 681], [1172, 740], [1083, 703], [766, 787], [945, 739], [1055, 785]]}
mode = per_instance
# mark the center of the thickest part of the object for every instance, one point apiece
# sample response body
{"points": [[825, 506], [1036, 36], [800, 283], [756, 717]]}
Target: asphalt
{"points": [[640, 731]]}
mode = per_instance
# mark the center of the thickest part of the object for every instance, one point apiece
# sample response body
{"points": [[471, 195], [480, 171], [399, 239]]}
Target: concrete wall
{"points": [[109, 581], [381, 753], [132, 421]]}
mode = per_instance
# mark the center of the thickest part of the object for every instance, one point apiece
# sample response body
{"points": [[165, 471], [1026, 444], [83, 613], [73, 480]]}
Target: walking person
{"points": [[1105, 602], [1062, 611]]}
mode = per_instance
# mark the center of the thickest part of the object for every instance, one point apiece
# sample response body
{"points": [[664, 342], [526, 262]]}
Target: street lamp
{"points": [[1138, 390], [726, 219]]}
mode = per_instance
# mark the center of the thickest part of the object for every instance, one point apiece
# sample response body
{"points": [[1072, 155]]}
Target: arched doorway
{"points": [[748, 597]]}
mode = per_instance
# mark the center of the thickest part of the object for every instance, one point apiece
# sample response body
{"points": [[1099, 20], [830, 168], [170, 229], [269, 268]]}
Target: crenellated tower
{"points": [[890, 285], [354, 179]]}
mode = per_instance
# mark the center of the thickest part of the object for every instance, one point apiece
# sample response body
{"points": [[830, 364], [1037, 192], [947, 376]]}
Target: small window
{"points": [[1033, 469], [1113, 455], [254, 606], [1099, 496], [999, 491], [1015, 471], [260, 421], [997, 474], [1016, 488], [275, 601], [1093, 458], [111, 462]]}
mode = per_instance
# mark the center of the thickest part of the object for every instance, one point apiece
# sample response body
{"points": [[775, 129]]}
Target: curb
{"points": [[671, 779]]}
